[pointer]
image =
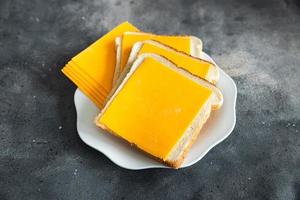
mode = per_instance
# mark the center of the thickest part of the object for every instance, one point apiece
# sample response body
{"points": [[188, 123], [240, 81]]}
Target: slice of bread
{"points": [[177, 57], [195, 49], [181, 148]]}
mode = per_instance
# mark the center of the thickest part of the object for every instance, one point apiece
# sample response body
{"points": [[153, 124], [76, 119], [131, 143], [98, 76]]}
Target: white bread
{"points": [[180, 150], [196, 46], [118, 59], [213, 73]]}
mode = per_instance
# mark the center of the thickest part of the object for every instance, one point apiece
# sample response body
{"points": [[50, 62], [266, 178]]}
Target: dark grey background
{"points": [[42, 157]]}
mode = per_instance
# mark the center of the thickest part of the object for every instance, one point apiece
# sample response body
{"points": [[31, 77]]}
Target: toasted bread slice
{"points": [[178, 140], [194, 65], [188, 44]]}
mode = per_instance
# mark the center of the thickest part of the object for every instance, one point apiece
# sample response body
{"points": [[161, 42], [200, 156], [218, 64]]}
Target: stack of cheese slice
{"points": [[92, 70], [157, 94]]}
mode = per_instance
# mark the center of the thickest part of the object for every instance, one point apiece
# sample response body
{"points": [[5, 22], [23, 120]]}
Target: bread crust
{"points": [[118, 43]]}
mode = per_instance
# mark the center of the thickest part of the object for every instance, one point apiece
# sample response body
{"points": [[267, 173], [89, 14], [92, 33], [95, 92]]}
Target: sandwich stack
{"points": [[153, 90]]}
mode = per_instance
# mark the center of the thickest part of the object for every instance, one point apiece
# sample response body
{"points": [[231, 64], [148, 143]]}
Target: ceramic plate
{"points": [[218, 127]]}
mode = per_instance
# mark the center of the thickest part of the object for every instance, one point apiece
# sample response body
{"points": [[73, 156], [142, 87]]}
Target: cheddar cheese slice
{"points": [[99, 59], [96, 64], [154, 112], [196, 66], [188, 44], [90, 93], [94, 88], [83, 75]]}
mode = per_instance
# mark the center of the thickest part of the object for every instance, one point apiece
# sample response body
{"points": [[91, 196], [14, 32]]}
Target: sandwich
{"points": [[188, 44], [161, 114], [194, 65]]}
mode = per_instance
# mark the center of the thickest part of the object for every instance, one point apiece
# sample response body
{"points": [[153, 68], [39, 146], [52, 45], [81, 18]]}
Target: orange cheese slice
{"points": [[182, 43], [196, 66], [97, 62], [85, 89], [153, 112], [72, 74], [99, 59], [76, 69]]}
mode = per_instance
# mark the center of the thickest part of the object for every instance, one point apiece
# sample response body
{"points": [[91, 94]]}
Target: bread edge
{"points": [[196, 46], [118, 43]]}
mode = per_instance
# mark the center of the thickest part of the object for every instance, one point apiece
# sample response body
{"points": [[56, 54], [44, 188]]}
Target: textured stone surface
{"points": [[42, 157]]}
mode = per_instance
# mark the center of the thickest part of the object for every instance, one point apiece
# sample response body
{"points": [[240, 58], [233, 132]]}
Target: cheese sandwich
{"points": [[188, 44], [161, 114], [194, 65]]}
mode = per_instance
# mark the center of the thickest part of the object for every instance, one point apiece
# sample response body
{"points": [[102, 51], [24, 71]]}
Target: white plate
{"points": [[218, 127]]}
